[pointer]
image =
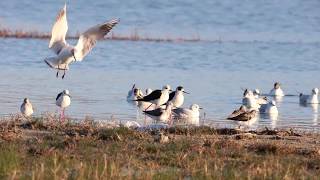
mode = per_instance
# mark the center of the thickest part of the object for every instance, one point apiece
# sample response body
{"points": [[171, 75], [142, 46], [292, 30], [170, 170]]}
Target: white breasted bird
{"points": [[66, 53], [276, 91], [157, 97], [191, 112], [26, 108], [269, 108], [63, 100], [177, 97], [309, 99], [161, 114]]}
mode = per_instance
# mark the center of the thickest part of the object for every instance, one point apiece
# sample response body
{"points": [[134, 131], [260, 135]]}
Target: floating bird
{"points": [[177, 97], [249, 100], [157, 97], [65, 53], [63, 100], [134, 94], [256, 93], [26, 108], [161, 114], [237, 112], [269, 108], [276, 91], [191, 112], [309, 99], [245, 116]]}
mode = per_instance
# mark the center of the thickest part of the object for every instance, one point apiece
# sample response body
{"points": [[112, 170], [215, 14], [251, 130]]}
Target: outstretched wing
{"points": [[89, 38], [59, 31]]}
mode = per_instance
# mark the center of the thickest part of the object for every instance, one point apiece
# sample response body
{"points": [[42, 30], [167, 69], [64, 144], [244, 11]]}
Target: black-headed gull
{"points": [[191, 112], [26, 108], [63, 100], [309, 99], [276, 91], [65, 53]]}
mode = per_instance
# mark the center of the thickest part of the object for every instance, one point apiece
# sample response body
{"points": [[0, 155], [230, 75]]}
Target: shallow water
{"points": [[261, 43]]}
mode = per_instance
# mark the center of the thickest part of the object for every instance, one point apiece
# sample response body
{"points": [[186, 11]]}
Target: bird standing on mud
{"points": [[65, 53], [26, 108], [63, 100]]}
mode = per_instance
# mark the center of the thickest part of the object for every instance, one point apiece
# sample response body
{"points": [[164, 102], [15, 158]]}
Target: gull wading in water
{"points": [[65, 53], [63, 100]]}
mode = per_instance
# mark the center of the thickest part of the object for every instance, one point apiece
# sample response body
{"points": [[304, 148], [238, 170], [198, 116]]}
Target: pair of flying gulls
{"points": [[66, 53], [63, 100]]}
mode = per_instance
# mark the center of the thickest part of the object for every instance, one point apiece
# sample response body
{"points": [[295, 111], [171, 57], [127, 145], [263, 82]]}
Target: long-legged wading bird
{"points": [[26, 108], [177, 97], [63, 100], [157, 97], [65, 53]]}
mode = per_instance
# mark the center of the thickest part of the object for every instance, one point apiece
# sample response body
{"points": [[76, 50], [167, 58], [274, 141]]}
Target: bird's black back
{"points": [[60, 94], [171, 95], [155, 112], [152, 96]]}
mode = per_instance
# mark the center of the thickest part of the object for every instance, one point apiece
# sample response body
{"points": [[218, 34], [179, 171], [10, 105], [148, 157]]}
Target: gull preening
{"points": [[26, 108], [276, 91], [65, 53], [63, 100], [309, 99]]}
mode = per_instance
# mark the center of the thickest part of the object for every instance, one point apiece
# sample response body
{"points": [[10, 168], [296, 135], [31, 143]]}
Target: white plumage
{"points": [[65, 53], [191, 112], [276, 91], [310, 99], [63, 100], [26, 108]]}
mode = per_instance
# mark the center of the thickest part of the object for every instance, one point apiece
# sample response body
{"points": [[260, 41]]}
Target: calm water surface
{"points": [[262, 42]]}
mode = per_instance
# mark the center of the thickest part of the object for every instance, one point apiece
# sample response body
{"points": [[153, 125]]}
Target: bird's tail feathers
{"points": [[53, 62]]}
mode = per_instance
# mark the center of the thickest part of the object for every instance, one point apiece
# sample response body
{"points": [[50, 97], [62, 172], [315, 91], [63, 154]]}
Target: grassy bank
{"points": [[44, 149]]}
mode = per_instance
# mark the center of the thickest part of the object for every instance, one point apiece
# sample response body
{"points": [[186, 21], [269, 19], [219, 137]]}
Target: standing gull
{"points": [[65, 53], [191, 112], [157, 97], [26, 108], [63, 100]]}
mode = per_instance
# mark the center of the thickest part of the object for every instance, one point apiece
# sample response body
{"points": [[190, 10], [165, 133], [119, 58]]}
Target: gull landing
{"points": [[65, 53]]}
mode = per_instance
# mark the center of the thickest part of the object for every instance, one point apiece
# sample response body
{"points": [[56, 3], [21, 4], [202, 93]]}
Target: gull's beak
{"points": [[200, 108], [186, 92], [170, 90]]}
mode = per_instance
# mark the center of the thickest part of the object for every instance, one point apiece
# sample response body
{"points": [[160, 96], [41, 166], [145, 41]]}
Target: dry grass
{"points": [[43, 148]]}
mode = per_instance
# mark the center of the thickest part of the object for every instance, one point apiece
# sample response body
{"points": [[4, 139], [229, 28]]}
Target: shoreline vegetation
{"points": [[44, 148], [134, 36]]}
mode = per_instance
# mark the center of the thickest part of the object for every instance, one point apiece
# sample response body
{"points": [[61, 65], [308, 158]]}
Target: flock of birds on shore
{"points": [[163, 105]]}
